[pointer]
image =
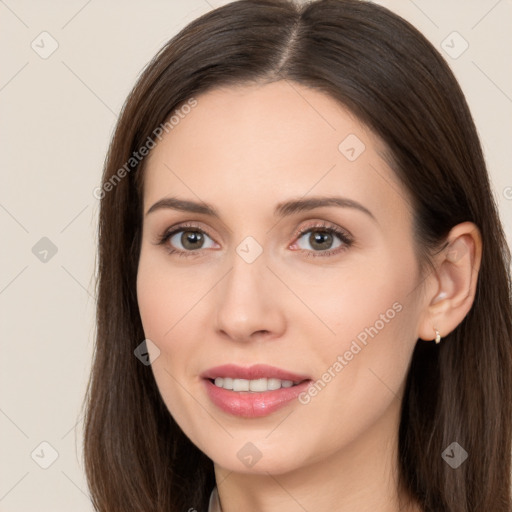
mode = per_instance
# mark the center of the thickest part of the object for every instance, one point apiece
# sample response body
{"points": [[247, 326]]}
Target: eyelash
{"points": [[323, 227]]}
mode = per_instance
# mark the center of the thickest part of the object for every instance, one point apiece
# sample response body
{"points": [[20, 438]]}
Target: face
{"points": [[322, 294]]}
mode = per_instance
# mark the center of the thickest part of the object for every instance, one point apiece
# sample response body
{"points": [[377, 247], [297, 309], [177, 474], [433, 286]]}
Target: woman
{"points": [[304, 298]]}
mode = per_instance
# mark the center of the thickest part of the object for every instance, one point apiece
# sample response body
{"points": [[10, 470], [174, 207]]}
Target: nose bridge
{"points": [[246, 301], [245, 281]]}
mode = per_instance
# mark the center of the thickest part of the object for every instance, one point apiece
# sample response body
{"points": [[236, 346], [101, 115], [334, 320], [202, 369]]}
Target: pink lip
{"points": [[257, 371], [247, 404], [252, 405]]}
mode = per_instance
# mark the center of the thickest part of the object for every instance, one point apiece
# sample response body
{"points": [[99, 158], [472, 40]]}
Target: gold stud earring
{"points": [[438, 336]]}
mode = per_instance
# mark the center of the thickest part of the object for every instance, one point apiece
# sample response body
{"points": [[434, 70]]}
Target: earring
{"points": [[438, 336]]}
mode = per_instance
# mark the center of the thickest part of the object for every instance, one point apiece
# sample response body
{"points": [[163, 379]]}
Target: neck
{"points": [[360, 477]]}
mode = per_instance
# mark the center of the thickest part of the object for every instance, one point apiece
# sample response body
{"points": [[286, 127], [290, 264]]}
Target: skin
{"points": [[244, 150]]}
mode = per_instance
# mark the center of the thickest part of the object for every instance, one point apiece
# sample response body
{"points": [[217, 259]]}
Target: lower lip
{"points": [[247, 404]]}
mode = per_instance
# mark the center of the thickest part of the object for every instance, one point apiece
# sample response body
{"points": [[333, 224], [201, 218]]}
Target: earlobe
{"points": [[453, 283]]}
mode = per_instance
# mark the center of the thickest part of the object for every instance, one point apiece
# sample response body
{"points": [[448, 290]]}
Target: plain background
{"points": [[57, 117]]}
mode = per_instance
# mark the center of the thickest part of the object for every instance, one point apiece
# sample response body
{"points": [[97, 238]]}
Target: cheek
{"points": [[168, 303], [164, 295], [364, 294], [364, 331], [161, 309], [157, 300], [360, 371], [164, 306]]}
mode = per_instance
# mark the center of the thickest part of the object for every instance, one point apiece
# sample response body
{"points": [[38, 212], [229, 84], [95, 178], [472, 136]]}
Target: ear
{"points": [[450, 290]]}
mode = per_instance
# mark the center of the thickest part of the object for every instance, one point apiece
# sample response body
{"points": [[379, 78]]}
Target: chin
{"points": [[256, 459]]}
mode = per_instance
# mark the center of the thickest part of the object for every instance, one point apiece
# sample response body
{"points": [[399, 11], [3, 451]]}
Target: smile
{"points": [[255, 385]]}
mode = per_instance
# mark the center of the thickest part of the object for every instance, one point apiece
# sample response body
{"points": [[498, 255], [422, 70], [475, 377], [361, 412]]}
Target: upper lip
{"points": [[257, 371]]}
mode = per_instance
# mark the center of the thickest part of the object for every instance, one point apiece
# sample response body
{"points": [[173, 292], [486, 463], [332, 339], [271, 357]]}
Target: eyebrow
{"points": [[283, 209]]}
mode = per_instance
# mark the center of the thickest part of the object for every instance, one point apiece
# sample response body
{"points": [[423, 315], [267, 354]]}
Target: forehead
{"points": [[281, 119], [263, 142]]}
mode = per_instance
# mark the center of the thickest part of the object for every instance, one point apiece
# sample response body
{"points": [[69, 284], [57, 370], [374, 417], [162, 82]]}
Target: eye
{"points": [[185, 239], [324, 239]]}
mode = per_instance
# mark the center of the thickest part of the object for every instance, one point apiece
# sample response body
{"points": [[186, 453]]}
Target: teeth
{"points": [[256, 385]]}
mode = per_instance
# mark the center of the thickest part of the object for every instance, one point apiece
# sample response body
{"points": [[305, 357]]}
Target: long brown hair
{"points": [[388, 74]]}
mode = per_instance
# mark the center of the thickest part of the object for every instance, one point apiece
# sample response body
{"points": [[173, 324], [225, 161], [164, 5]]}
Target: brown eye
{"points": [[187, 240], [322, 240]]}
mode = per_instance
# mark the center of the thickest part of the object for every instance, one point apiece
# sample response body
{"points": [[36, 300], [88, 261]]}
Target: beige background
{"points": [[57, 116]]}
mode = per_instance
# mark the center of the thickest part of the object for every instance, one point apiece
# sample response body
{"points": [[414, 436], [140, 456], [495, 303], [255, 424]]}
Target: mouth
{"points": [[254, 391]]}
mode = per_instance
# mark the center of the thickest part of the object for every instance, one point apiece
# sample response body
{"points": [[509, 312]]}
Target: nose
{"points": [[248, 305]]}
